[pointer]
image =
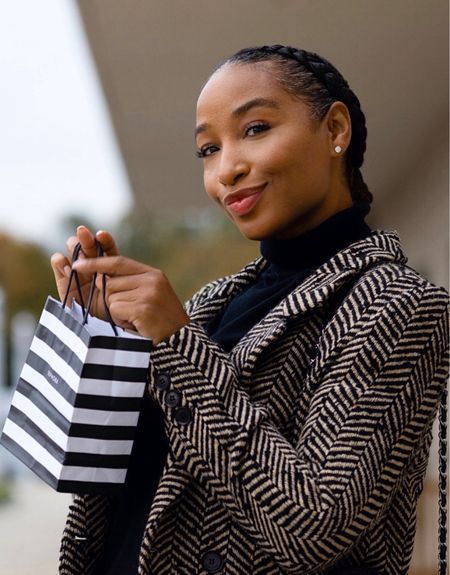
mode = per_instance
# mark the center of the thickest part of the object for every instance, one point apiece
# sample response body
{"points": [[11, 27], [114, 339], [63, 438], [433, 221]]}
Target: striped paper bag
{"points": [[76, 406]]}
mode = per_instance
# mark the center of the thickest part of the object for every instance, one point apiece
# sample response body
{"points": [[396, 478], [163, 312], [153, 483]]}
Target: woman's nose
{"points": [[232, 167]]}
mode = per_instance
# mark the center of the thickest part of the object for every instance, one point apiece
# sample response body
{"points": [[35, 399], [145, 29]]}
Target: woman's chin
{"points": [[254, 232]]}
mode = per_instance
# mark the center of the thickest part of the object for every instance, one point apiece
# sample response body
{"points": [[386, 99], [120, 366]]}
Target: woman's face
{"points": [[266, 161]]}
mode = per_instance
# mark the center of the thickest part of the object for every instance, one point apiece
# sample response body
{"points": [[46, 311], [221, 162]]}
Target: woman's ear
{"points": [[339, 128]]}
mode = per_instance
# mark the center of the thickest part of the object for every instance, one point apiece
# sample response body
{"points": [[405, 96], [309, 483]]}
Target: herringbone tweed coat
{"points": [[306, 446]]}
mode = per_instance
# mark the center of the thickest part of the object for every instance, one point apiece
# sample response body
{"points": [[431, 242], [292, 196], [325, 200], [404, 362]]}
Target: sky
{"points": [[58, 153]]}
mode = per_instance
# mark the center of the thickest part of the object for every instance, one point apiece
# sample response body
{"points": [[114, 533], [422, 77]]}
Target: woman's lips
{"points": [[242, 201]]}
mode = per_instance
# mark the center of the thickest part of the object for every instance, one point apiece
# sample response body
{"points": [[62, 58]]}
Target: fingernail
{"points": [[100, 232], [67, 270]]}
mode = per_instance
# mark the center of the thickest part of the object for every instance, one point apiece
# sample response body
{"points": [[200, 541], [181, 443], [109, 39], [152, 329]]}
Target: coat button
{"points": [[172, 398], [162, 381], [183, 416], [212, 562]]}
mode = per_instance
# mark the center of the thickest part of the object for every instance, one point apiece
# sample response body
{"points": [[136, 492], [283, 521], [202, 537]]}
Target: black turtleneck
{"points": [[290, 262]]}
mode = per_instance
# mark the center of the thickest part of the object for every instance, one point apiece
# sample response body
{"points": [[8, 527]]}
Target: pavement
{"points": [[30, 528]]}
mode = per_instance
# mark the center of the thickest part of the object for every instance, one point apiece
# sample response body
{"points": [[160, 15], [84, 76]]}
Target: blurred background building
{"points": [[142, 64]]}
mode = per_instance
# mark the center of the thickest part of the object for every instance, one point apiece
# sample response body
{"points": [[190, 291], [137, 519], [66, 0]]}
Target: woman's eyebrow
{"points": [[255, 103], [243, 109]]}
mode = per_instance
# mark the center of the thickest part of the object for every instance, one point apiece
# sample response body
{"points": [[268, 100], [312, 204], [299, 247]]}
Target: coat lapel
{"points": [[315, 292]]}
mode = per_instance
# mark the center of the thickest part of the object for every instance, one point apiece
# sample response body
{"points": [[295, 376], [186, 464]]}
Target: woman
{"points": [[297, 395]]}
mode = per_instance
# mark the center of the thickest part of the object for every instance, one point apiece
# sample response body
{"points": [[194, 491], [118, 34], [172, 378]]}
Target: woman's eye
{"points": [[251, 130], [256, 129], [206, 151]]}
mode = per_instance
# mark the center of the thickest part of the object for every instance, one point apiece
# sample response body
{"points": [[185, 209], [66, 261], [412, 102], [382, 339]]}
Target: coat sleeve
{"points": [[376, 396]]}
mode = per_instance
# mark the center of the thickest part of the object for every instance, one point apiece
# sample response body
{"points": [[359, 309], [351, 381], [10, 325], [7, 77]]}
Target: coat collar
{"points": [[378, 247]]}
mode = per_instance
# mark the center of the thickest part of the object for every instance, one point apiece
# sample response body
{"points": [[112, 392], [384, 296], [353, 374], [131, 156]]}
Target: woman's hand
{"points": [[138, 296], [61, 265]]}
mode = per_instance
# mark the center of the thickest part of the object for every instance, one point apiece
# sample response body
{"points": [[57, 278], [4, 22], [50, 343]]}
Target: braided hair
{"points": [[318, 83]]}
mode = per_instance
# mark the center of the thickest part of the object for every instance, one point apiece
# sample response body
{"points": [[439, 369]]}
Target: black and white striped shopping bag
{"points": [[76, 406]]}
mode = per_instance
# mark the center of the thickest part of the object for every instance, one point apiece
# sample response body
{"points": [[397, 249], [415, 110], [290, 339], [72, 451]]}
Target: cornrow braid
{"points": [[312, 78]]}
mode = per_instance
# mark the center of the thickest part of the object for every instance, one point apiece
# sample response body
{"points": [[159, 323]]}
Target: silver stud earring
{"points": [[338, 149]]}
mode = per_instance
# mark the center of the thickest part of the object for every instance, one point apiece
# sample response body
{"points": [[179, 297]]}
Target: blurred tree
{"points": [[138, 238], [25, 275], [26, 278]]}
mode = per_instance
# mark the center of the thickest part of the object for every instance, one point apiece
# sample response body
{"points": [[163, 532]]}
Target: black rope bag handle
{"points": [[74, 276], [442, 549]]}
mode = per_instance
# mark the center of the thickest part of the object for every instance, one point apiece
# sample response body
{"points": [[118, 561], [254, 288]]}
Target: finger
{"points": [[87, 241], [120, 314], [107, 242], [124, 283], [60, 265], [71, 243], [111, 266]]}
